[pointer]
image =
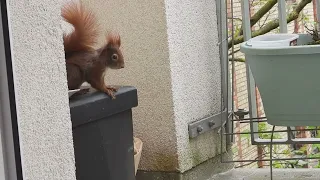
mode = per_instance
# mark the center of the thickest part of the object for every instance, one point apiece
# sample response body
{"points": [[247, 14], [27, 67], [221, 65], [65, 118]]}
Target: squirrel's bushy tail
{"points": [[85, 32]]}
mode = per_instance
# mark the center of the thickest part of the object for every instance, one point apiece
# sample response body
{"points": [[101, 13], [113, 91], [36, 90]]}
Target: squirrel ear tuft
{"points": [[113, 39]]}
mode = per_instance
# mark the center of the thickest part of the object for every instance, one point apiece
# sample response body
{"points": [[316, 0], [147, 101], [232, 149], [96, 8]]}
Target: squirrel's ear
{"points": [[114, 39]]}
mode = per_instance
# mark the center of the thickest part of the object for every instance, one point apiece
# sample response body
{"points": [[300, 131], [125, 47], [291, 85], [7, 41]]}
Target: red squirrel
{"points": [[83, 62]]}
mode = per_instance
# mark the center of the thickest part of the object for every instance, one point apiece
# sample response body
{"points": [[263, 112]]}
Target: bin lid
{"points": [[96, 105]]}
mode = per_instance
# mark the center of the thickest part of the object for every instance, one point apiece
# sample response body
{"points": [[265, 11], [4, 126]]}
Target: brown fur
{"points": [[85, 64], [113, 38], [85, 33]]}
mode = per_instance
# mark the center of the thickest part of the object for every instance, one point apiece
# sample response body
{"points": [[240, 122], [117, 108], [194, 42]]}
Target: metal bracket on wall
{"points": [[206, 124]]}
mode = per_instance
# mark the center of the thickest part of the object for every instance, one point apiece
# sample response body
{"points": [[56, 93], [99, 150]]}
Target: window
{"points": [[10, 160]]}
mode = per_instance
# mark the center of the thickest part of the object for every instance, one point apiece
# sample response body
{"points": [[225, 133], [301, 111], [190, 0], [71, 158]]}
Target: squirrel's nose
{"points": [[122, 66]]}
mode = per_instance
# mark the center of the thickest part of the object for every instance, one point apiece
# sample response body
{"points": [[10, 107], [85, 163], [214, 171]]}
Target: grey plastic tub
{"points": [[288, 79]]}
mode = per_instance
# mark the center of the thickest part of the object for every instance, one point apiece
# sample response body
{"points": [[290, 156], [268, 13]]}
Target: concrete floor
{"points": [[264, 174], [213, 169]]}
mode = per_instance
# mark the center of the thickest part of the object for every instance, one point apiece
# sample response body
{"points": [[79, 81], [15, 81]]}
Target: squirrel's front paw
{"points": [[114, 89], [110, 92]]}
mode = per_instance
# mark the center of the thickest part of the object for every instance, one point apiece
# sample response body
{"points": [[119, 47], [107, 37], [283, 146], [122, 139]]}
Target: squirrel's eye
{"points": [[114, 57]]}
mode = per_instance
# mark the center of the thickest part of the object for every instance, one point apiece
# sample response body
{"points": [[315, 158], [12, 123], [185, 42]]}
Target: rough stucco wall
{"points": [[41, 90], [142, 26], [195, 72], [175, 90]]}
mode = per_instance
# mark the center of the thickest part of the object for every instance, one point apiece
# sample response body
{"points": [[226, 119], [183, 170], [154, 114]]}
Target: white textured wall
{"points": [[142, 26], [195, 73], [41, 90], [171, 57]]}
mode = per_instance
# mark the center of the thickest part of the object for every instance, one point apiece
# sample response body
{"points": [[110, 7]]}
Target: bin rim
{"points": [[290, 50]]}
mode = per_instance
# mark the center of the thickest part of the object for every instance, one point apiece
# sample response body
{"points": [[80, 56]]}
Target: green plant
{"points": [[246, 136]]}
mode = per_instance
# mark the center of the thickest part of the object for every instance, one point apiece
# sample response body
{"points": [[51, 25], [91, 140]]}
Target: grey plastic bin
{"points": [[103, 135], [288, 81]]}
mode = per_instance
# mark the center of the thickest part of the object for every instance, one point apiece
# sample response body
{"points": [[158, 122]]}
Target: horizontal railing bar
{"points": [[275, 159], [284, 141], [270, 131], [253, 121], [244, 119]]}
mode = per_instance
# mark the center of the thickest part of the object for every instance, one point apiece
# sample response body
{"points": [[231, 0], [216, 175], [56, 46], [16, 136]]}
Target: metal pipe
{"points": [[245, 9], [282, 14]]}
